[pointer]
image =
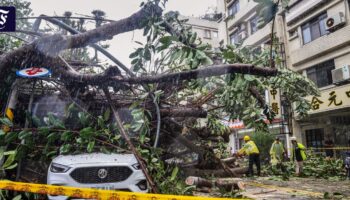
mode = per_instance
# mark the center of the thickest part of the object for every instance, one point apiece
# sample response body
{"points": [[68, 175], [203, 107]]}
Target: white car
{"points": [[97, 170]]}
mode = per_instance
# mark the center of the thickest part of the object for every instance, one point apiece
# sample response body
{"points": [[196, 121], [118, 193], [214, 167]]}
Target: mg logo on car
{"points": [[102, 173]]}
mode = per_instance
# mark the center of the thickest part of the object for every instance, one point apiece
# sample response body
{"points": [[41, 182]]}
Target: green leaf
{"points": [[105, 150], [134, 61], [167, 39], [9, 161], [18, 197], [142, 138], [107, 114], [2, 150], [117, 137], [66, 136], [24, 134], [6, 121], [11, 166], [52, 137], [100, 122], [134, 54], [174, 173], [193, 38], [36, 121], [65, 148], [10, 137], [249, 78], [2, 132], [140, 43], [90, 146], [84, 118], [147, 54], [87, 132]]}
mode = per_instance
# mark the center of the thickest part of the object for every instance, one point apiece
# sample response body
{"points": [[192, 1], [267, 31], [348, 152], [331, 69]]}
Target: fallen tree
{"points": [[173, 67]]}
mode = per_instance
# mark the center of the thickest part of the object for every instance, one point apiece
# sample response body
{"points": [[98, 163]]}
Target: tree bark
{"points": [[198, 181], [214, 70], [217, 173], [227, 184], [183, 112], [48, 47]]}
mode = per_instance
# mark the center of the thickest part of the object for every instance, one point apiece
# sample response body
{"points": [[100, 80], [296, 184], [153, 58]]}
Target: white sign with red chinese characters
{"points": [[33, 72]]}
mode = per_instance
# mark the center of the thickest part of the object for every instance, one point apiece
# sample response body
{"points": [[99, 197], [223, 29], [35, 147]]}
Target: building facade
{"points": [[239, 26], [318, 39], [315, 35], [207, 30]]}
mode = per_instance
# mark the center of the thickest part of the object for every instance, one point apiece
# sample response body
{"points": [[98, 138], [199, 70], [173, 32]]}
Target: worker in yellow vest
{"points": [[277, 153], [250, 149], [298, 155]]}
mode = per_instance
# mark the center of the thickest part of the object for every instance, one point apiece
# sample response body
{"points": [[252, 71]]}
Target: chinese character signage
{"points": [[330, 99], [275, 102]]}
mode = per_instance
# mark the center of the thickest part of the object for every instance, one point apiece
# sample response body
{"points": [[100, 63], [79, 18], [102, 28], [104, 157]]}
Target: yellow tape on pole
{"points": [[89, 193]]}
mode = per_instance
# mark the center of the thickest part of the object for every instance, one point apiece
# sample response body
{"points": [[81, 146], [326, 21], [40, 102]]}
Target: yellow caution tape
{"points": [[89, 193], [330, 148], [289, 190]]}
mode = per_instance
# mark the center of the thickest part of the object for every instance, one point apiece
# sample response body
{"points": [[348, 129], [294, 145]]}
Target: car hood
{"points": [[95, 158]]}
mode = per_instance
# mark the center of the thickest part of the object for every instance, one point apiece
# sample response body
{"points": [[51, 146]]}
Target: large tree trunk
{"points": [[227, 184], [198, 181], [217, 173]]}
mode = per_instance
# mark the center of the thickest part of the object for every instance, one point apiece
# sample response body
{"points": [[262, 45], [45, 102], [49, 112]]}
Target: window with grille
{"points": [[207, 34], [314, 28], [314, 138], [233, 8], [238, 35], [215, 34], [254, 24], [321, 74]]}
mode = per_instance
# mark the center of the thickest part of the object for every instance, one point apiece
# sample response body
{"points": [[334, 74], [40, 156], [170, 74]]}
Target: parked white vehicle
{"points": [[97, 170]]}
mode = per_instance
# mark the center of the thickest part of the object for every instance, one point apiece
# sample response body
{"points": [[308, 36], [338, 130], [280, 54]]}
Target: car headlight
{"points": [[57, 168], [136, 166]]}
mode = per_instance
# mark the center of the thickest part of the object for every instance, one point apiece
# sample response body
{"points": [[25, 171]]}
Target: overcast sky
{"points": [[121, 45]]}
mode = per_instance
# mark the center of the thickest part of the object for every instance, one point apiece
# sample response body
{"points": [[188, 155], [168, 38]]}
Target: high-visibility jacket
{"points": [[302, 151], [249, 148], [277, 150]]}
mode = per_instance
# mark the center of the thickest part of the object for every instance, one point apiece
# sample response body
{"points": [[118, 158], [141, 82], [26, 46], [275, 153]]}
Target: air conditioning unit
{"points": [[334, 22], [341, 74]]}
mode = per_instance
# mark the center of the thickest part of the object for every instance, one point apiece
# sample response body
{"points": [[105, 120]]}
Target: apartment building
{"points": [[318, 40], [206, 29], [239, 26]]}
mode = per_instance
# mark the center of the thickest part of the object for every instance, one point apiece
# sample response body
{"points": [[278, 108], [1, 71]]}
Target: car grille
{"points": [[90, 175]]}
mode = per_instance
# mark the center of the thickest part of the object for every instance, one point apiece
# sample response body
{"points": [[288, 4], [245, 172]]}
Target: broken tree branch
{"points": [[183, 112], [50, 46], [127, 139], [214, 70]]}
